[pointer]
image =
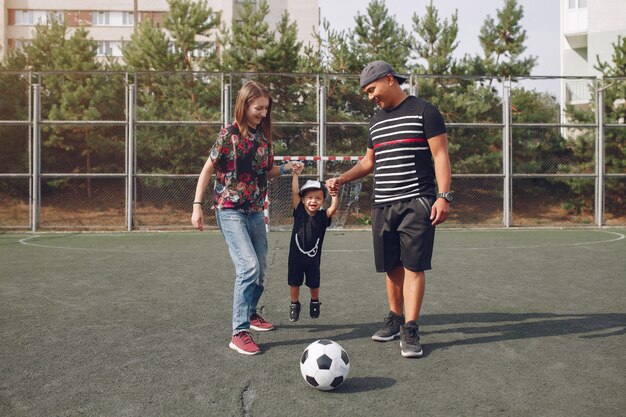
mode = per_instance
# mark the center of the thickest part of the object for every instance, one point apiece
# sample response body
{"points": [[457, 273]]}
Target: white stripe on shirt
{"points": [[412, 116], [411, 164], [396, 197]]}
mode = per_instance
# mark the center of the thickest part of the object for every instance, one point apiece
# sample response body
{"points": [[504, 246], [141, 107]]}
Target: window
{"points": [[54, 17], [109, 48], [24, 17], [113, 18], [208, 49], [172, 48], [128, 18], [577, 4], [104, 48], [100, 19], [21, 43]]}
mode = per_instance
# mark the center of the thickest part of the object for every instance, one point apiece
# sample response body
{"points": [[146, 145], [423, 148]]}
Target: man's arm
{"points": [[439, 148], [364, 167]]}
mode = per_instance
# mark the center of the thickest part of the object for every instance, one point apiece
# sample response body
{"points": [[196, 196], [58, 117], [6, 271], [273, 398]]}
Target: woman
{"points": [[243, 162]]}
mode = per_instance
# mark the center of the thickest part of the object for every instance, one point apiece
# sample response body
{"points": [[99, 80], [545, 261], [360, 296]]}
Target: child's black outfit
{"points": [[305, 249]]}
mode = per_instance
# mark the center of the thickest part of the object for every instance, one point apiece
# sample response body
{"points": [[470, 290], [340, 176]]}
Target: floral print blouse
{"points": [[241, 168]]}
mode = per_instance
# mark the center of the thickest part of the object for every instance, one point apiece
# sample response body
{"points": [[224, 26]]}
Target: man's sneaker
{"points": [[259, 324], [410, 341], [243, 343], [391, 329], [294, 311], [314, 309]]}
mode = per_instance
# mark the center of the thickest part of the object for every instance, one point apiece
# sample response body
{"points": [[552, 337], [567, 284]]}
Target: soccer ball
{"points": [[324, 365]]}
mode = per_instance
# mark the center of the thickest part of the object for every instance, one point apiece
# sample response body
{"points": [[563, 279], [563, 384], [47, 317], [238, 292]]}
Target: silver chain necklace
{"points": [[311, 253]]}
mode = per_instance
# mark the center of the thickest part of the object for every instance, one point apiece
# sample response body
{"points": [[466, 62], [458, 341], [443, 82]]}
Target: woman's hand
{"points": [[197, 218]]}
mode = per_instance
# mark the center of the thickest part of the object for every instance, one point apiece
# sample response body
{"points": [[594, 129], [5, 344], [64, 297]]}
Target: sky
{"points": [[541, 22]]}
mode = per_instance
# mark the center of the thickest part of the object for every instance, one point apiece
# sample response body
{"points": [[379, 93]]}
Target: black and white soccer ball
{"points": [[324, 365]]}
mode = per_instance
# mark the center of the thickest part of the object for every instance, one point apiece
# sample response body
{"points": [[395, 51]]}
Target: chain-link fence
{"points": [[122, 151]]}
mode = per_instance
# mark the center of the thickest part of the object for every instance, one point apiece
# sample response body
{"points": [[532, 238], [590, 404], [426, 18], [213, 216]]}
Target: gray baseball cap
{"points": [[312, 185], [378, 69]]}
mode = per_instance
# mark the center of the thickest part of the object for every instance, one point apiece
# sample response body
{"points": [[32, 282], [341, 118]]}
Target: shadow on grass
{"points": [[478, 328]]}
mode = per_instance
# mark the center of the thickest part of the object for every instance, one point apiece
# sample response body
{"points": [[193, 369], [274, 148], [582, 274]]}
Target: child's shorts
{"points": [[297, 270], [403, 235]]}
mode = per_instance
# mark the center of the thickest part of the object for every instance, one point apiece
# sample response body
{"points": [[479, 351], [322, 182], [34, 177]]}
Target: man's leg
{"points": [[395, 289], [414, 285], [395, 319], [413, 290]]}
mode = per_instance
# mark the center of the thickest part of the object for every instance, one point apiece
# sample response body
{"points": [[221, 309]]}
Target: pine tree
{"points": [[187, 47], [614, 91], [189, 24], [378, 36], [616, 68], [148, 50], [282, 54], [503, 44], [244, 44], [80, 93], [436, 42], [332, 53]]}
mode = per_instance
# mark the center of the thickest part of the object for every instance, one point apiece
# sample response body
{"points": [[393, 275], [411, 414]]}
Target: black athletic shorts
{"points": [[297, 270], [403, 235]]}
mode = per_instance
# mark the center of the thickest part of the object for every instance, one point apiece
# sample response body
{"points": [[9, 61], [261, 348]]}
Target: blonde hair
{"points": [[250, 91]]}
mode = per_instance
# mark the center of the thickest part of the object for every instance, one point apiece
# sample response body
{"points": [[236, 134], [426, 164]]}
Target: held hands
{"points": [[333, 185], [296, 167]]}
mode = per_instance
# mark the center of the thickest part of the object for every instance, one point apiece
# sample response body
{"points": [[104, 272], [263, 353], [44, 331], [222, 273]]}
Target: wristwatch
{"points": [[446, 196]]}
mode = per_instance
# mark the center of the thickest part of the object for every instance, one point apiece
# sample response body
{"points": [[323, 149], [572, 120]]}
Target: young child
{"points": [[307, 237]]}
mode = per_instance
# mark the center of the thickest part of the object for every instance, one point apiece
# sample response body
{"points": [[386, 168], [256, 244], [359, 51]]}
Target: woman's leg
{"points": [[235, 229], [258, 237]]}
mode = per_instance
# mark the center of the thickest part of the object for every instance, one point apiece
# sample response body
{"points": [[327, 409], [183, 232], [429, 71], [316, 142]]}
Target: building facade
{"points": [[111, 22], [589, 28]]}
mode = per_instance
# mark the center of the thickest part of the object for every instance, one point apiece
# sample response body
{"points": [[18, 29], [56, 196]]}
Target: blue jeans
{"points": [[246, 238]]}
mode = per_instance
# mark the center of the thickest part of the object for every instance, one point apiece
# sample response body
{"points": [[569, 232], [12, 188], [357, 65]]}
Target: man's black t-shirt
{"points": [[404, 166]]}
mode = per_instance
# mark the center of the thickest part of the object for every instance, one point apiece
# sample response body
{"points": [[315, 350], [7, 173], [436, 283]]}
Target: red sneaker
{"points": [[259, 324], [243, 343]]}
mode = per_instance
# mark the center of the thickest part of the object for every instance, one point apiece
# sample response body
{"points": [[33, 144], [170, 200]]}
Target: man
{"points": [[407, 150]]}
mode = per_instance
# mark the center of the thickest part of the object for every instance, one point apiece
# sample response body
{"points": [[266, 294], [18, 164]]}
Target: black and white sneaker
{"points": [[294, 311], [410, 341], [391, 329], [314, 309]]}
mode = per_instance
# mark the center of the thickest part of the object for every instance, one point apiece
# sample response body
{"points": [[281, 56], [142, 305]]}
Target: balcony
{"points": [[576, 27]]}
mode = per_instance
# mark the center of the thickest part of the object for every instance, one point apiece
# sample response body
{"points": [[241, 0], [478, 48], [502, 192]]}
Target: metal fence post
{"points": [[130, 155], [226, 104], [600, 169], [506, 154], [36, 162], [321, 134]]}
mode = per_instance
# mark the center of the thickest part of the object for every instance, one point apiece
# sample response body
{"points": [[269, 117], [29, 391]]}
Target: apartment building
{"points": [[111, 22], [588, 30]]}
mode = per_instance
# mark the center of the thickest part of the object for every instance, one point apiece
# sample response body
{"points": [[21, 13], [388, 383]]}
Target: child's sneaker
{"points": [[410, 341], [243, 343], [391, 329], [259, 324], [314, 309], [294, 311]]}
